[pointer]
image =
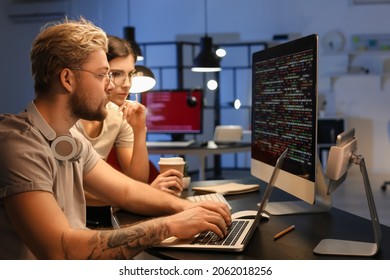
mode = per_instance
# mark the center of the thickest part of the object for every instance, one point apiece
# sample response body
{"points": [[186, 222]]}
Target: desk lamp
{"points": [[142, 80]]}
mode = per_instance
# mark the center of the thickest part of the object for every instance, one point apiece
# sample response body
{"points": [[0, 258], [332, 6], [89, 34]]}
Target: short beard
{"points": [[81, 109]]}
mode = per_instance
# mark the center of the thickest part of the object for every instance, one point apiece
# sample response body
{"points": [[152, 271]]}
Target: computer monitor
{"points": [[174, 112], [284, 115]]}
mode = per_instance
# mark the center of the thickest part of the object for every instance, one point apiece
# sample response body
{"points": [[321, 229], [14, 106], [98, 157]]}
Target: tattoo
{"points": [[124, 243]]}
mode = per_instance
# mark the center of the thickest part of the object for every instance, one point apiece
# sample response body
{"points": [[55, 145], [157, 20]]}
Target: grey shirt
{"points": [[28, 164]]}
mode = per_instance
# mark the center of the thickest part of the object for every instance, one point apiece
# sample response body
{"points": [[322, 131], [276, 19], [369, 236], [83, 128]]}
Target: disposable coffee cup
{"points": [[171, 163]]}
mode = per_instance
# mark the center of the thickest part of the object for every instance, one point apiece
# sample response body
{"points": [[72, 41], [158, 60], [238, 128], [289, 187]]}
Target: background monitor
{"points": [[284, 115], [174, 112]]}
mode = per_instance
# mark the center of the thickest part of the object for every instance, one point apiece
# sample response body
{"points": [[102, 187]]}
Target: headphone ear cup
{"points": [[66, 148]]}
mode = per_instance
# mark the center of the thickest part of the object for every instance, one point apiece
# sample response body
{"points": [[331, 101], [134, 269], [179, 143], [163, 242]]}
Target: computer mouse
{"points": [[211, 145], [248, 214], [264, 216]]}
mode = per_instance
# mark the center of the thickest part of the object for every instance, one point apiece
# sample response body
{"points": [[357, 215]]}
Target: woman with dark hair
{"points": [[123, 131]]}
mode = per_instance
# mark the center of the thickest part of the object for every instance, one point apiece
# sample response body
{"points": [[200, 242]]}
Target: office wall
{"points": [[363, 101]]}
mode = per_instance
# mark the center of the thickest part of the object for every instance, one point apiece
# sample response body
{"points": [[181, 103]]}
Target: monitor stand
{"points": [[323, 201], [355, 248], [177, 137]]}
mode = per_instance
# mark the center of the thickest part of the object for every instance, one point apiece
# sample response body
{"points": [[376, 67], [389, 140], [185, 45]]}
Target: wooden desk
{"points": [[201, 152], [310, 229]]}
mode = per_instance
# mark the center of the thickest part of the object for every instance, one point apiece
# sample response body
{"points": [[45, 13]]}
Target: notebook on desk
{"points": [[239, 233], [228, 188]]}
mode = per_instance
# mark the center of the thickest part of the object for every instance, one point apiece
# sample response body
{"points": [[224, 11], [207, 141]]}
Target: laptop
{"points": [[239, 233]]}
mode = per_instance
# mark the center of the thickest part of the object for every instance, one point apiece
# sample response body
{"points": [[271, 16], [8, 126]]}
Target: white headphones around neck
{"points": [[66, 147]]}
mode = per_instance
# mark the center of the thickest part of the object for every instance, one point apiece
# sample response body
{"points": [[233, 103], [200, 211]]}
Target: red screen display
{"points": [[173, 111]]}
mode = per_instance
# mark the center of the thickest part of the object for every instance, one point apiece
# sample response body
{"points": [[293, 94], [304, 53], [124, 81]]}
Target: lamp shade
{"points": [[143, 80], [207, 60], [129, 32]]}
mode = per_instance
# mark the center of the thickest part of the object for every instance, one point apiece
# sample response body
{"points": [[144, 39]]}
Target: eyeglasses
{"points": [[119, 77], [109, 76]]}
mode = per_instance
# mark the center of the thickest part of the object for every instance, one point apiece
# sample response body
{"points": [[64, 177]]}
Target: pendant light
{"points": [[206, 60], [143, 78], [129, 32]]}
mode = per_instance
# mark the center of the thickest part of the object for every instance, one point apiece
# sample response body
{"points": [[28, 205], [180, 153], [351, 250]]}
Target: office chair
{"points": [[113, 161]]}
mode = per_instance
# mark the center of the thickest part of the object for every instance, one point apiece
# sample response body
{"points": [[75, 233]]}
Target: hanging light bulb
{"points": [[237, 104], [220, 52], [212, 84], [206, 60]]}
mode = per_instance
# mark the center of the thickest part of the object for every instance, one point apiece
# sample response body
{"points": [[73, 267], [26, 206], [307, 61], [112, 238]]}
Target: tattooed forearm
{"points": [[128, 242], [124, 243]]}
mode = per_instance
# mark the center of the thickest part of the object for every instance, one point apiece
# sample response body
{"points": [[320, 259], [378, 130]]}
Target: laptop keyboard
{"points": [[210, 238], [211, 196]]}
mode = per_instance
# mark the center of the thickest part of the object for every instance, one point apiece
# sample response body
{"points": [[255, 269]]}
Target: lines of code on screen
{"points": [[284, 105]]}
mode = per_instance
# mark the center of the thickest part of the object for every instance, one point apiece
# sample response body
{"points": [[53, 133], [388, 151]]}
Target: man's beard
{"points": [[81, 108]]}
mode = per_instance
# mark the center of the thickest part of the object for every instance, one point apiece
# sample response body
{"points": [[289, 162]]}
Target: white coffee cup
{"points": [[176, 163]]}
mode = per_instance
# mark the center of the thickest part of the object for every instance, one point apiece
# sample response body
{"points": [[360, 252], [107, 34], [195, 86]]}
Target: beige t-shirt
{"points": [[115, 132]]}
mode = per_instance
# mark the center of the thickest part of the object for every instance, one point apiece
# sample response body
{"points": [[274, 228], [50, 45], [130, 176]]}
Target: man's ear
{"points": [[67, 79]]}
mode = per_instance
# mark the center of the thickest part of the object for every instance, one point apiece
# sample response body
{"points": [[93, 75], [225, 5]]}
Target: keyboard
{"points": [[169, 143], [210, 196], [210, 238]]}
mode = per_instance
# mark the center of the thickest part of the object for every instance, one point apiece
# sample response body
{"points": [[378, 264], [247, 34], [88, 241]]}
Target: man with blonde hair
{"points": [[46, 164]]}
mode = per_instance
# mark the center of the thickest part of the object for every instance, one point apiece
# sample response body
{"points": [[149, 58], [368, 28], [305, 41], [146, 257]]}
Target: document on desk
{"points": [[228, 188]]}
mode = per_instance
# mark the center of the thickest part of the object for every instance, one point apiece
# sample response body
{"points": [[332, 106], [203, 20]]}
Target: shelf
{"points": [[336, 75], [352, 54]]}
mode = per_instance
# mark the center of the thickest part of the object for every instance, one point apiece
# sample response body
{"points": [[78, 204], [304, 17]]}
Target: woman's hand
{"points": [[135, 114], [170, 181]]}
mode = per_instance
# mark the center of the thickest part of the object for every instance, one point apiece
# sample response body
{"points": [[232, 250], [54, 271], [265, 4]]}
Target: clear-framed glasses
{"points": [[108, 76], [119, 77]]}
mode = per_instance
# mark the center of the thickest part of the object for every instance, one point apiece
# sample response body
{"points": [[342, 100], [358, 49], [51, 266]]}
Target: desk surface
{"points": [[310, 229], [197, 148], [202, 151]]}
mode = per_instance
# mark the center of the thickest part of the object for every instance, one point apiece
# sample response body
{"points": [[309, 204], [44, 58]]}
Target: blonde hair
{"points": [[60, 45]]}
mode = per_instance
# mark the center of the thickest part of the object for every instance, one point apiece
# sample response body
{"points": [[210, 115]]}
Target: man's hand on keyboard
{"points": [[215, 206], [170, 181], [195, 220]]}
